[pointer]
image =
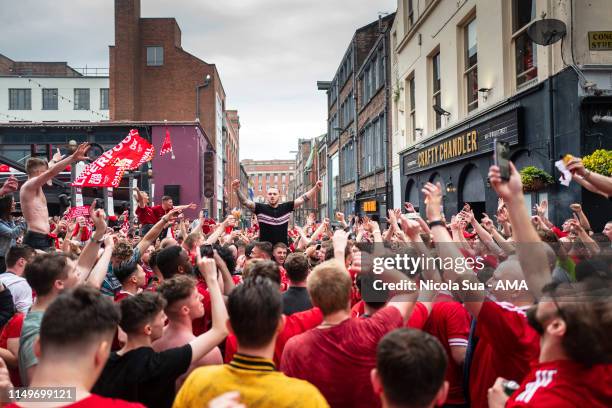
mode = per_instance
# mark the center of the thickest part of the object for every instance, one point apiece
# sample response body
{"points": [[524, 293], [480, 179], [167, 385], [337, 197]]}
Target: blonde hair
{"points": [[329, 286]]}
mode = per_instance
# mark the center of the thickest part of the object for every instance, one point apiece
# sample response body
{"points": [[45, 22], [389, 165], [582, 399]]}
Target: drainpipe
{"points": [[355, 127], [386, 141]]}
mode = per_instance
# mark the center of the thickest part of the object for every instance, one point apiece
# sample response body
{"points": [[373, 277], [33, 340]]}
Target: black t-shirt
{"points": [[273, 221], [144, 376], [295, 300]]}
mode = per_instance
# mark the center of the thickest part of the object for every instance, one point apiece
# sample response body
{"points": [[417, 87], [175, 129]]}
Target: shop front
{"points": [[541, 125]]}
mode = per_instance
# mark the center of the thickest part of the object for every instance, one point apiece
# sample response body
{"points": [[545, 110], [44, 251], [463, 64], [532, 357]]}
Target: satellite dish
{"points": [[546, 31]]}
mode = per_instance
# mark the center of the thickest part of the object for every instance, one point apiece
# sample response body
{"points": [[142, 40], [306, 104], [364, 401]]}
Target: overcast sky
{"points": [[269, 53]]}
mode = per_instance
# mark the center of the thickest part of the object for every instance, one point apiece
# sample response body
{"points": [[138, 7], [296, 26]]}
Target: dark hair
{"points": [[166, 198], [138, 310], [17, 252], [44, 270], [228, 257], [77, 318], [264, 246], [254, 309], [279, 245], [297, 267], [153, 259], [6, 203], [248, 249], [411, 365], [586, 309], [177, 288], [266, 269], [125, 270], [375, 299], [168, 261]]}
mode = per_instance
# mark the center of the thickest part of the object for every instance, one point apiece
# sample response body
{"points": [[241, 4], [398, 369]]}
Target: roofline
{"points": [[113, 123]]}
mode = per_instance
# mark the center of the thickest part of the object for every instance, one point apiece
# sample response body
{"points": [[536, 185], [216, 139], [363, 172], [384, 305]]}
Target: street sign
{"points": [[600, 40]]}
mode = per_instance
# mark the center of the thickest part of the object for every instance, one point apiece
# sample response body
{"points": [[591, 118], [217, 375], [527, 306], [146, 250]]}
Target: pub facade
{"points": [[541, 124]]}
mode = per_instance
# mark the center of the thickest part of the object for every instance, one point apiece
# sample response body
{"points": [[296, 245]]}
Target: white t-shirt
{"points": [[20, 290]]}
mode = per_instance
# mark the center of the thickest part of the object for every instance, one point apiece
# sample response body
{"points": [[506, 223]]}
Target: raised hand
{"points": [[508, 190], [575, 207], [10, 186], [409, 207], [575, 166], [319, 184], [433, 201], [236, 184], [340, 216], [80, 153], [410, 227], [340, 239]]}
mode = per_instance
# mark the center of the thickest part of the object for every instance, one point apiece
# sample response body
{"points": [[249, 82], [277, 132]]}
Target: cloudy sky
{"points": [[270, 53]]}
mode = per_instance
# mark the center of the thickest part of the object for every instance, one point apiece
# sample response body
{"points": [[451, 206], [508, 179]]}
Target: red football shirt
{"points": [[449, 322], [338, 360], [295, 324], [416, 320], [96, 401], [565, 383], [12, 330], [201, 324], [506, 347]]}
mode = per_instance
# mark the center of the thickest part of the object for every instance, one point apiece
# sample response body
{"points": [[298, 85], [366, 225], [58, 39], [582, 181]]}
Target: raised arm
{"points": [[88, 256], [205, 342], [309, 195], [79, 155], [98, 273], [157, 229], [241, 197], [601, 183], [584, 221], [140, 197], [529, 248]]}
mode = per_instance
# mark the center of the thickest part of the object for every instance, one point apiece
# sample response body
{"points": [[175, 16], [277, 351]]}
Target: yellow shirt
{"points": [[257, 381]]}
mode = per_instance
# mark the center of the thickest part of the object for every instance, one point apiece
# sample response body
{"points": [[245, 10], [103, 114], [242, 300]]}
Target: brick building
{"points": [[152, 78], [357, 150], [306, 176], [270, 173], [231, 162]]}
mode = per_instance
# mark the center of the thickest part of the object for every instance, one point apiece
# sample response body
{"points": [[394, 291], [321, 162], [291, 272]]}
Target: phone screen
{"points": [[501, 157]]}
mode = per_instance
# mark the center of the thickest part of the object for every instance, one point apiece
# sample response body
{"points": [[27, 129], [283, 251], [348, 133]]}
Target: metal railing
{"points": [[92, 71]]}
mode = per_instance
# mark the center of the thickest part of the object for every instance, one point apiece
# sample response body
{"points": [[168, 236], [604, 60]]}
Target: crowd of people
{"points": [[208, 313]]}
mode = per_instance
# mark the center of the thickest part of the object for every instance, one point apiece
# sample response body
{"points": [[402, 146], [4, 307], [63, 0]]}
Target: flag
{"points": [[251, 190], [107, 170], [167, 145]]}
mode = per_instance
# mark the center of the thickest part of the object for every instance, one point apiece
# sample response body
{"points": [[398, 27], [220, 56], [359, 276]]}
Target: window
{"points": [[410, 14], [81, 99], [260, 181], [525, 52], [20, 99], [381, 68], [412, 108], [276, 179], [471, 65], [372, 145], [267, 179], [348, 163], [49, 99], [283, 179], [104, 99], [155, 56], [437, 92]]}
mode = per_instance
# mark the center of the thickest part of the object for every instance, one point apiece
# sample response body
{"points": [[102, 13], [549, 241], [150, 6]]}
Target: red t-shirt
{"points": [[565, 383], [558, 232], [150, 215], [201, 324], [12, 330], [96, 401], [449, 322], [295, 324], [417, 318], [506, 347], [338, 360]]}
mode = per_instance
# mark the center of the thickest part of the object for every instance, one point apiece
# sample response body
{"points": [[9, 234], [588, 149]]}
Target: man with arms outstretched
{"points": [[36, 213], [273, 218]]}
